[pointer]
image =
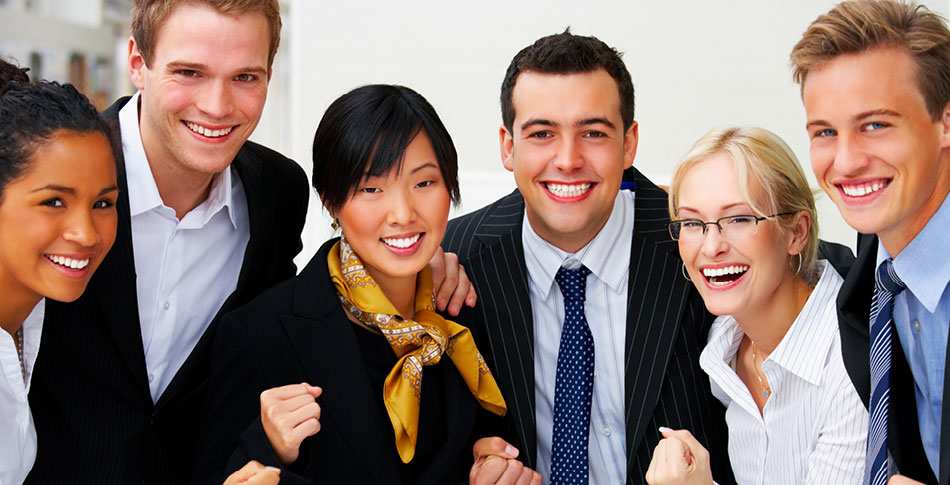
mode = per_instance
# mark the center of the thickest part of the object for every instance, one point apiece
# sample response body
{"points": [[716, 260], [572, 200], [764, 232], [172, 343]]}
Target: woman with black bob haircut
{"points": [[57, 222], [322, 375]]}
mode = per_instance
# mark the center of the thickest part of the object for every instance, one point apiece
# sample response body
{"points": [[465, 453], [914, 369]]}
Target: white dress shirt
{"points": [[17, 434], [185, 269], [813, 427], [607, 256]]}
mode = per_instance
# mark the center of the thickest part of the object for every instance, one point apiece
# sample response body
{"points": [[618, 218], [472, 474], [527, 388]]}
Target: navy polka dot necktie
{"points": [[574, 384]]}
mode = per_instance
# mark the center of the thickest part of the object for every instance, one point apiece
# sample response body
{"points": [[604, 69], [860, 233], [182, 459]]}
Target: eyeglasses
{"points": [[731, 227]]}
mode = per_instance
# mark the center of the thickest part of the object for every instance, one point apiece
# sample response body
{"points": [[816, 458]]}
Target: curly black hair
{"points": [[32, 113]]}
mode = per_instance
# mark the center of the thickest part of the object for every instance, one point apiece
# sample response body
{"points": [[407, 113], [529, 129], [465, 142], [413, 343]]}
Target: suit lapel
{"points": [[500, 277], [656, 298], [114, 282]]}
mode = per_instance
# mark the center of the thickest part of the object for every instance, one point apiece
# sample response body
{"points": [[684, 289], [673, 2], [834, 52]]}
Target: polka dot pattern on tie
{"points": [[574, 383]]}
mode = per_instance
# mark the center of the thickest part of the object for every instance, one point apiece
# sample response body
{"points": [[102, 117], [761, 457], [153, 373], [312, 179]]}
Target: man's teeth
{"points": [[401, 242], [863, 189], [208, 132], [68, 262], [712, 274], [565, 190]]}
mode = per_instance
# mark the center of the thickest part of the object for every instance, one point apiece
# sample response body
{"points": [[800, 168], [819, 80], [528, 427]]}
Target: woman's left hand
{"points": [[253, 473], [452, 287], [679, 459]]}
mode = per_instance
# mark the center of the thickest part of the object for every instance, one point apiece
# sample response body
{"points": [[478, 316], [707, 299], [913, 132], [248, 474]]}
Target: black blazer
{"points": [[903, 431], [667, 326], [95, 420], [297, 332]]}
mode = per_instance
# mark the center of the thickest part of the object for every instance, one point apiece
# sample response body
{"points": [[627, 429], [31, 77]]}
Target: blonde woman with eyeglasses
{"points": [[745, 221]]}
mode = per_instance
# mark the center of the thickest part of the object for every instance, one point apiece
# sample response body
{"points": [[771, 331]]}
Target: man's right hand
{"points": [[496, 463], [290, 414]]}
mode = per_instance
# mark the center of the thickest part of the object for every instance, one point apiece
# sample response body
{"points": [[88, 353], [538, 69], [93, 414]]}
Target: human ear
{"points": [[136, 65], [800, 230], [507, 142], [945, 127], [630, 140]]}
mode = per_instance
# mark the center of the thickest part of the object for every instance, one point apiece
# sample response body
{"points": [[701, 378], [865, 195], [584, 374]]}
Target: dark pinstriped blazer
{"points": [[95, 420], [666, 329], [903, 431]]}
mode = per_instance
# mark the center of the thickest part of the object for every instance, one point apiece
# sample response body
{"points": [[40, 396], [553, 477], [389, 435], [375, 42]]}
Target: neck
{"points": [[16, 305], [182, 190], [766, 326], [401, 292]]}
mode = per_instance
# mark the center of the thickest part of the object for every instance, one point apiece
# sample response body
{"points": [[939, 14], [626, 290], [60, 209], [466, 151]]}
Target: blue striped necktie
{"points": [[573, 384], [882, 306]]}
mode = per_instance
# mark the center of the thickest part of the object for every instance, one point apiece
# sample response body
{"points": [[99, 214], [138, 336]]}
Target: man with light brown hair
{"points": [[207, 220], [875, 78]]}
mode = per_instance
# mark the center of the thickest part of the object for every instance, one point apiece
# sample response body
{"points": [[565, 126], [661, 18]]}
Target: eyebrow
{"points": [[72, 191], [723, 208], [859, 117], [584, 122], [422, 167], [197, 66]]}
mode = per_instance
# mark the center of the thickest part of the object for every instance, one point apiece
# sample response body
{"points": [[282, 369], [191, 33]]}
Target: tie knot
{"points": [[572, 282], [887, 278]]}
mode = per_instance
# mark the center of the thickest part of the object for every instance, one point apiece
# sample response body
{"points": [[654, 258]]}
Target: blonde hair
{"points": [[148, 16], [856, 26], [761, 159]]}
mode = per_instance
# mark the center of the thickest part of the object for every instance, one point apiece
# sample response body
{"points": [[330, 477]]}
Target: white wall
{"points": [[695, 65]]}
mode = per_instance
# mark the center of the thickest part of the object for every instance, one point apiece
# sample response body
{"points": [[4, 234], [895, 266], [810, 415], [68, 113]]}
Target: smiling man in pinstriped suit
{"points": [[569, 137]]}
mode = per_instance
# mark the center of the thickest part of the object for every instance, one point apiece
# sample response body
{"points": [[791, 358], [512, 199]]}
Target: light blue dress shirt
{"points": [[607, 256], [922, 318]]}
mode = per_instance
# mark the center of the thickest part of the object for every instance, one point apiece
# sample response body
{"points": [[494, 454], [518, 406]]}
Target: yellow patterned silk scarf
{"points": [[417, 343]]}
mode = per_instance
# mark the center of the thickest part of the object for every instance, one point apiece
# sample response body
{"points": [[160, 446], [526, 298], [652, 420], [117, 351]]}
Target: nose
{"points": [[850, 157], [402, 208], [81, 229], [568, 156], [215, 100], [713, 243]]}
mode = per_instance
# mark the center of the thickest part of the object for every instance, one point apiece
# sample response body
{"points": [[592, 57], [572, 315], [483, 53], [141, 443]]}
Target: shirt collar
{"points": [[607, 256], [807, 334], [143, 192], [923, 265]]}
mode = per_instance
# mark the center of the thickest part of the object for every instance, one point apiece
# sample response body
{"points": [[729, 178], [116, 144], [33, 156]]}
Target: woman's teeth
{"points": [[208, 132], [401, 242], [863, 189], [568, 190], [725, 275], [68, 262]]}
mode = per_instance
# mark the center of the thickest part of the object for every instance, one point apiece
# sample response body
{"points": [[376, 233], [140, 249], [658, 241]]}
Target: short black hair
{"points": [[365, 133], [566, 53], [32, 113]]}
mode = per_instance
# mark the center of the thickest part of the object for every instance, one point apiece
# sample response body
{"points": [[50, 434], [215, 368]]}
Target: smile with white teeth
{"points": [[567, 190], [724, 275], [68, 262], [201, 130], [863, 189], [401, 242]]}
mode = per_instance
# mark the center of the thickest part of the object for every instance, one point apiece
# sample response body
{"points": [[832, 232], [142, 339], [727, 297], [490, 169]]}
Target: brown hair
{"points": [[149, 15], [858, 25], [761, 158]]}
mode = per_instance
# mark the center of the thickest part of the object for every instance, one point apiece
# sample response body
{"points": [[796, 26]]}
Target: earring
{"points": [[335, 225], [799, 269], [685, 274]]}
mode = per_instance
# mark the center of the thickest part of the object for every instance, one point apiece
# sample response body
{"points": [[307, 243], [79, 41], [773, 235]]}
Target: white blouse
{"points": [[18, 443], [813, 427]]}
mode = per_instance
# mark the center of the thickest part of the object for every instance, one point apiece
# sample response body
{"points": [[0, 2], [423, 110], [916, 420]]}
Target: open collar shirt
{"points": [[185, 269], [813, 427], [17, 434], [607, 256], [922, 319]]}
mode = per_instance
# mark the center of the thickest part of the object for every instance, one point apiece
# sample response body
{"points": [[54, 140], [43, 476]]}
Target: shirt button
{"points": [[166, 305], [917, 325], [595, 373], [151, 377], [606, 430]]}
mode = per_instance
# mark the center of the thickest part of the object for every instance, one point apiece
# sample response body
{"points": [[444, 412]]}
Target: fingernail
{"points": [[272, 469], [454, 309], [442, 302], [470, 301], [664, 430], [511, 451]]}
